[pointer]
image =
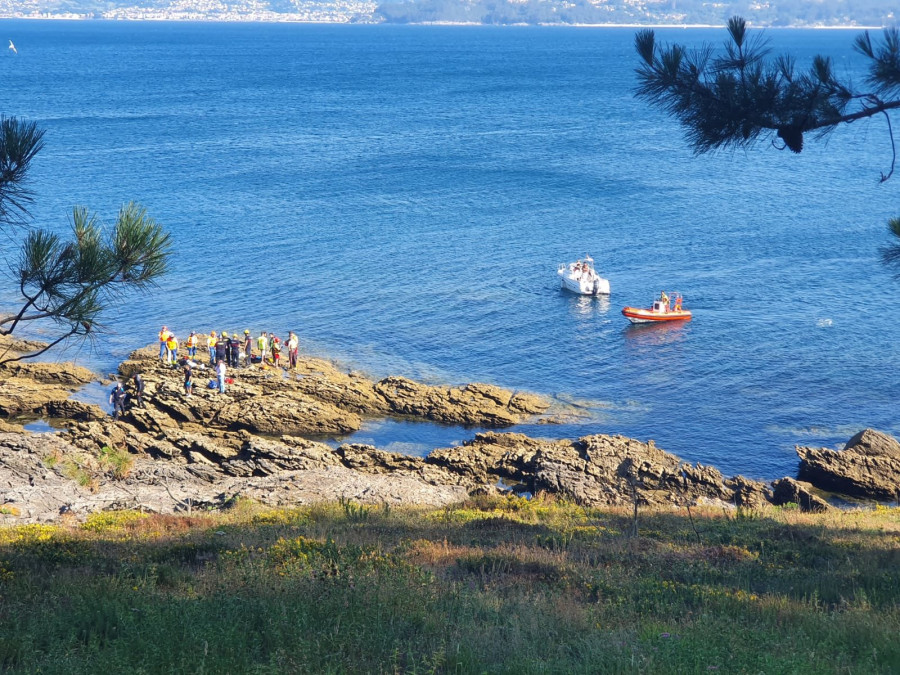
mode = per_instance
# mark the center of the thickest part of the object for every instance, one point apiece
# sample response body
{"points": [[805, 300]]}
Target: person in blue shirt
{"points": [[117, 400]]}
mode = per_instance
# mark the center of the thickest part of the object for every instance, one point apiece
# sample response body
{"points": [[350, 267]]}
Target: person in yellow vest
{"points": [[191, 345], [172, 347], [263, 343], [163, 338], [211, 346]]}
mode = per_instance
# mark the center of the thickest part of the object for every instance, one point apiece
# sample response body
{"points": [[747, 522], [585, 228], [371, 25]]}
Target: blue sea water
{"points": [[401, 196]]}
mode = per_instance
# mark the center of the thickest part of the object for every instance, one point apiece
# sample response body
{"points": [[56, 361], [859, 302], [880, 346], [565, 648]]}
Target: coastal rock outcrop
{"points": [[867, 467], [595, 470], [44, 475], [789, 491], [20, 396], [25, 397], [473, 404], [265, 457], [40, 389], [318, 398], [62, 374], [263, 439]]}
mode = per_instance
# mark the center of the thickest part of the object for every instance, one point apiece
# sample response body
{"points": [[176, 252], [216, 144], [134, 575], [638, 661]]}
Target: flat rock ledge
{"points": [[40, 480], [318, 398]]}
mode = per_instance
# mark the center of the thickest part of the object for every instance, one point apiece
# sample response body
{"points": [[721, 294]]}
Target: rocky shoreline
{"points": [[179, 453]]}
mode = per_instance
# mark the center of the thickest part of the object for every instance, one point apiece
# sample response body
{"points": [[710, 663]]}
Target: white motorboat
{"points": [[581, 277]]}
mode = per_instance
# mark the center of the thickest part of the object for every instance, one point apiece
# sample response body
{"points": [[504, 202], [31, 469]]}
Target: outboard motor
{"points": [[596, 286]]}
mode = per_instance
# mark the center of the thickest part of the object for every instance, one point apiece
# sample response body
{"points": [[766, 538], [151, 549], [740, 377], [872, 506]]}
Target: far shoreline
{"points": [[275, 20]]}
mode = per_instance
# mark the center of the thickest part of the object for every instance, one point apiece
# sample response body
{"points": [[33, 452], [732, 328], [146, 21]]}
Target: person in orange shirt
{"points": [[191, 345]]}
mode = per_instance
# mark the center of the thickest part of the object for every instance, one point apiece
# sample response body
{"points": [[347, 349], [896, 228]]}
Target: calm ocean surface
{"points": [[401, 197]]}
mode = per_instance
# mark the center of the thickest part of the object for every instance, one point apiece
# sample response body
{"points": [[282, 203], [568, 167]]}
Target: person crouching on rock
{"points": [[220, 373], [117, 400]]}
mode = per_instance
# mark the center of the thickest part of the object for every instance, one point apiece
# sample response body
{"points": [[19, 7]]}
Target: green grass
{"points": [[495, 585]]}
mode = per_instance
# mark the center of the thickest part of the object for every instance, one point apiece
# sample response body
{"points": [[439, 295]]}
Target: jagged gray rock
{"points": [[867, 467], [595, 470], [789, 491]]}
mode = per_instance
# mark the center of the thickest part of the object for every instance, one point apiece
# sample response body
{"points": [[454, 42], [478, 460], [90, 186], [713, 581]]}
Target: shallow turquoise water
{"points": [[401, 196]]}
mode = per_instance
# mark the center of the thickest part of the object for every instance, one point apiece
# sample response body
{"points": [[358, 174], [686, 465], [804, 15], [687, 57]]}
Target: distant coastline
{"points": [[280, 18]]}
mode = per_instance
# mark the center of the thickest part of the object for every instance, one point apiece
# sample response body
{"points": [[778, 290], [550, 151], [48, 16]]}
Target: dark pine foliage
{"points": [[734, 98], [70, 281]]}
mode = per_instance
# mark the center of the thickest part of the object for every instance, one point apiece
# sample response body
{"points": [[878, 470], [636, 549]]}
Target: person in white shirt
{"points": [[220, 373], [293, 345]]}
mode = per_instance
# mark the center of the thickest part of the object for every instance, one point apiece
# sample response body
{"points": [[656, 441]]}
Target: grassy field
{"points": [[499, 585]]}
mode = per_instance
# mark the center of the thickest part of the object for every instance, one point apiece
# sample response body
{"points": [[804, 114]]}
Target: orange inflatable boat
{"points": [[663, 309]]}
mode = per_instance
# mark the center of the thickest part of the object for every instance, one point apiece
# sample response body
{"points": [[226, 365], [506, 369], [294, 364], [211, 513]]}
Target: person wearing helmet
{"points": [[235, 344], [221, 348], [172, 347], [211, 346], [248, 348], [226, 340]]}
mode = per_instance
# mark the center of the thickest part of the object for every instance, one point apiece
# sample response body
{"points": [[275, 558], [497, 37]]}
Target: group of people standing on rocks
{"points": [[225, 351], [228, 351], [233, 350]]}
